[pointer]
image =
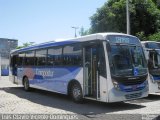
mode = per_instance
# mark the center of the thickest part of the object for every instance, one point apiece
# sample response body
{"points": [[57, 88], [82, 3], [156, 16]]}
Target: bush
{"points": [[154, 37]]}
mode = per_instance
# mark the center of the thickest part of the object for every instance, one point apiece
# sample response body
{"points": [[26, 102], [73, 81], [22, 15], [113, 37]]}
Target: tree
{"points": [[111, 17], [83, 32], [154, 37], [157, 2], [25, 45]]}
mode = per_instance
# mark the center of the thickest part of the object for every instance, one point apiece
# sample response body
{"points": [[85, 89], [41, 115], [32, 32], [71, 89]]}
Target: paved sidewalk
{"points": [[4, 82], [13, 99]]}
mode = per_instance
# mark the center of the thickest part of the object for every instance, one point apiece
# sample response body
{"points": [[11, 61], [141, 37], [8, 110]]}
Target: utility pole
{"points": [[75, 28], [127, 17]]}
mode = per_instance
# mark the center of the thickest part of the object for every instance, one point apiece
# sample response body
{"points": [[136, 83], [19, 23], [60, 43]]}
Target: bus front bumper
{"points": [[117, 95]]}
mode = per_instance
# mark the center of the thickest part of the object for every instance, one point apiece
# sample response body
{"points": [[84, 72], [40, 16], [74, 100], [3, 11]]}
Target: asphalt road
{"points": [[14, 100]]}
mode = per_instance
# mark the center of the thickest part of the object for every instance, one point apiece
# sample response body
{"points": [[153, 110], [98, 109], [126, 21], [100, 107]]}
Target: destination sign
{"points": [[122, 39]]}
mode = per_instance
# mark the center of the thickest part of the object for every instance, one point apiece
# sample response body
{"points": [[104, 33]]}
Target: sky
{"points": [[44, 20]]}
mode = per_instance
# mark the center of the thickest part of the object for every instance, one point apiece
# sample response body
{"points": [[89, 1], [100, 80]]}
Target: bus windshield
{"points": [[153, 50], [127, 59], [153, 45], [154, 55], [154, 59]]}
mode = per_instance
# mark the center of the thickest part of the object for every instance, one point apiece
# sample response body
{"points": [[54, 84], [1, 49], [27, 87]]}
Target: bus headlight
{"points": [[116, 85]]}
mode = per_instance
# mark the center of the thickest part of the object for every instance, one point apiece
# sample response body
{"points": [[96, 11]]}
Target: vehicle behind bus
{"points": [[106, 67], [152, 53]]}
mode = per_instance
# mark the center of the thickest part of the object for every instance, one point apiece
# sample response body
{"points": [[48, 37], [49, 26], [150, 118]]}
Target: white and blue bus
{"points": [[107, 67], [152, 53]]}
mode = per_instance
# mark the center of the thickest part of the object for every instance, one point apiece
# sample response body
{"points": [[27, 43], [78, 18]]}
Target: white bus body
{"points": [[107, 67], [152, 54]]}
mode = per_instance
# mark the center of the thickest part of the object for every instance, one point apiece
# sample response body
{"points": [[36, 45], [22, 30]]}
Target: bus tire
{"points": [[26, 84], [76, 93]]}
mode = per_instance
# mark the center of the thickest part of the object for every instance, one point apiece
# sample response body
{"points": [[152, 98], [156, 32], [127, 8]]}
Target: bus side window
{"points": [[21, 59], [54, 56], [29, 58], [41, 56], [72, 55], [102, 63], [57, 56], [50, 56]]}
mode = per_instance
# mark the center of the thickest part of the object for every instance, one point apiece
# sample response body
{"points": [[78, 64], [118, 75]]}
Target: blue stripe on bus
{"points": [[132, 88], [156, 78], [54, 79]]}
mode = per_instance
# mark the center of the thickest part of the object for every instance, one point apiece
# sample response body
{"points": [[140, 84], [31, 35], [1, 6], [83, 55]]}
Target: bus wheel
{"points": [[26, 84], [76, 93]]}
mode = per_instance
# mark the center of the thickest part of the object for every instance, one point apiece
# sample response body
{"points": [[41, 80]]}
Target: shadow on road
{"points": [[65, 103], [153, 97]]}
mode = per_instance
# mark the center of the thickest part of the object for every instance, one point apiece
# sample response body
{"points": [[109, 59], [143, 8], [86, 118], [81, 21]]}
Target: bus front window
{"points": [[121, 62], [153, 58], [125, 59], [154, 55], [137, 56]]}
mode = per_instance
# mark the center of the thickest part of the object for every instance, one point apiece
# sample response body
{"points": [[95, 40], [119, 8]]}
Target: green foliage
{"points": [[25, 45], [111, 17], [155, 37], [141, 36], [157, 2], [83, 32]]}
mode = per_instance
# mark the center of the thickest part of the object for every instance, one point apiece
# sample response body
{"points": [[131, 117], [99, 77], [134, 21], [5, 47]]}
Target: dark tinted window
{"points": [[153, 45], [41, 57], [55, 56], [102, 62], [50, 56], [21, 59], [13, 60], [72, 55], [13, 64], [29, 58]]}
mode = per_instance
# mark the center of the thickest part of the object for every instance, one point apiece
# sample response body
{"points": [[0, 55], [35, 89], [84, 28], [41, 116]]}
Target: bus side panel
{"points": [[153, 86], [51, 79], [20, 75], [103, 89], [79, 77]]}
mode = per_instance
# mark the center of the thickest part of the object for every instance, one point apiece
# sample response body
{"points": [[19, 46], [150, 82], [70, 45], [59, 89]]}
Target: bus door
{"points": [[91, 74], [13, 69]]}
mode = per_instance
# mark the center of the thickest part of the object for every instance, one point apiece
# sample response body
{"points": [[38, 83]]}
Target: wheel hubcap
{"points": [[76, 92], [26, 84]]}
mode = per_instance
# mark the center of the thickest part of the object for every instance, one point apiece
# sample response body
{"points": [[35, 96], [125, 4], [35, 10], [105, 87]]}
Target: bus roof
{"points": [[149, 42], [97, 36], [150, 47]]}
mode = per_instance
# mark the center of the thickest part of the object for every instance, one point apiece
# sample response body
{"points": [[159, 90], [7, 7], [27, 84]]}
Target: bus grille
{"points": [[132, 82], [133, 96], [129, 80]]}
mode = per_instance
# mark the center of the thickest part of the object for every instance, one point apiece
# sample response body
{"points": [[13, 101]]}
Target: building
{"points": [[6, 45]]}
